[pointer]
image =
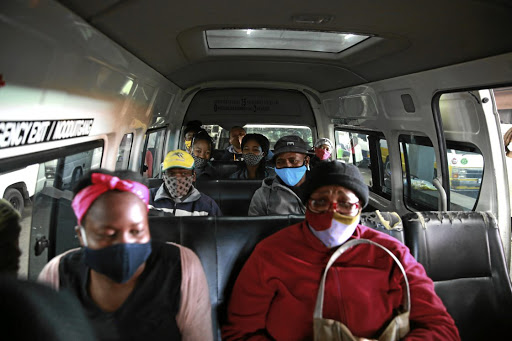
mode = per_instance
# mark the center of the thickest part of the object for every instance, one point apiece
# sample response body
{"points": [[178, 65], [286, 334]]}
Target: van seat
{"points": [[155, 182], [232, 196], [225, 168], [223, 244], [386, 222], [462, 253]]}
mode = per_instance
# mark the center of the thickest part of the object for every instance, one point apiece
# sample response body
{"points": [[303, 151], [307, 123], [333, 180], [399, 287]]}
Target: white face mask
{"points": [[338, 232]]}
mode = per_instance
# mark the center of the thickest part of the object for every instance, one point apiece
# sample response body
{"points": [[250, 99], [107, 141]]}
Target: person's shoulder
{"points": [[164, 251], [153, 191], [205, 198], [236, 175], [188, 257], [226, 155]]}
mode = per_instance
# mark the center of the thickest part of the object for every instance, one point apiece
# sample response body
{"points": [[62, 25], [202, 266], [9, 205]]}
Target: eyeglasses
{"points": [[323, 205]]}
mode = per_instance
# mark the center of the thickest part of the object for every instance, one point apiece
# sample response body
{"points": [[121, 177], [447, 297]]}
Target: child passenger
{"points": [[202, 146], [255, 148]]}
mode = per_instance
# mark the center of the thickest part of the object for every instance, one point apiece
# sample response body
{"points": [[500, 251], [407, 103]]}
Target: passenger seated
{"points": [[131, 288], [202, 146], [177, 194], [191, 128], [323, 150], [281, 194], [255, 148], [9, 239], [275, 293], [234, 150]]}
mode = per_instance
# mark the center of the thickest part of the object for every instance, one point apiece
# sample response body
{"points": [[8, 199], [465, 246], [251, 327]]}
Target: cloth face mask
{"points": [[199, 162], [252, 159], [322, 154], [332, 228], [119, 262], [178, 187], [291, 176]]}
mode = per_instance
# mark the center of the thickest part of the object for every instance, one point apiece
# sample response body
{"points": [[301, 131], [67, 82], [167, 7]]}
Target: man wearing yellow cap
{"points": [[177, 194]]}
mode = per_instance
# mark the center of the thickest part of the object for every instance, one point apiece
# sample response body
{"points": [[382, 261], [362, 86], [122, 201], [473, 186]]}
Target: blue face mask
{"points": [[291, 176], [118, 262]]}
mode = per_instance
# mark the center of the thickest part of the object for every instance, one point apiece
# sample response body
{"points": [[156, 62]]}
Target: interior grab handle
{"points": [[443, 203]]}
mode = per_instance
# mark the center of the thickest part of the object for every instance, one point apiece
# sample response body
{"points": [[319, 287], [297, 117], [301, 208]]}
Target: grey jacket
{"points": [[272, 198]]}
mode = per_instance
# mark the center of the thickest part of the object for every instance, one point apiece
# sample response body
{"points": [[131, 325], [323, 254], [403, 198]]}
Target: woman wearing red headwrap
{"points": [[130, 286]]}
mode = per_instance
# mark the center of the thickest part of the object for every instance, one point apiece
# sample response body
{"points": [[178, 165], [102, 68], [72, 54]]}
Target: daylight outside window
{"points": [[332, 42]]}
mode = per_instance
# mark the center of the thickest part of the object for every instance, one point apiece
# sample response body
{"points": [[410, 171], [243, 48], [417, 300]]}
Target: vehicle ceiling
{"points": [[416, 36]]}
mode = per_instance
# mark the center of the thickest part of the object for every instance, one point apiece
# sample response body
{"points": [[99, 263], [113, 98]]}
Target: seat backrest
{"points": [[225, 168], [223, 244], [232, 196], [155, 182], [386, 222], [463, 254]]}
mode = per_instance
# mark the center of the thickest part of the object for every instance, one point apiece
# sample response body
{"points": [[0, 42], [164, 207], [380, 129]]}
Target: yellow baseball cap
{"points": [[178, 159]]}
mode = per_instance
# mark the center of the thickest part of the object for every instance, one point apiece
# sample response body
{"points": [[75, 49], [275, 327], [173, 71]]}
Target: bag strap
{"points": [[320, 297]]}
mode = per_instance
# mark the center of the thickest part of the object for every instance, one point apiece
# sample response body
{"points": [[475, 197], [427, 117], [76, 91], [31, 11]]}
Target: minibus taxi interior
{"points": [[417, 95]]}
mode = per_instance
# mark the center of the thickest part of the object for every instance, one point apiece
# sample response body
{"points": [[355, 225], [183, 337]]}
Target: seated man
{"points": [[234, 150], [177, 194], [281, 194], [130, 286], [275, 294]]}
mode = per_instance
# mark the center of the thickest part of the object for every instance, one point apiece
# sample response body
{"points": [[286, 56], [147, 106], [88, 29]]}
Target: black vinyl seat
{"points": [[232, 196], [225, 168], [223, 244], [463, 254], [386, 222]]}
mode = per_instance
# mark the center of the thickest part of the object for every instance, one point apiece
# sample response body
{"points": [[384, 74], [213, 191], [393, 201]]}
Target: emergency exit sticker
{"points": [[13, 134]]}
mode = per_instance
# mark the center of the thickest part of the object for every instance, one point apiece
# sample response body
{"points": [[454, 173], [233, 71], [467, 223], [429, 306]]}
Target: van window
{"points": [[418, 171], [42, 192], [272, 132], [466, 167], [369, 152], [152, 153], [123, 154], [419, 168]]}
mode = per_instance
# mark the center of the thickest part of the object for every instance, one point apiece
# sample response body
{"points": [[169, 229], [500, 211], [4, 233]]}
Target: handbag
{"points": [[331, 330]]}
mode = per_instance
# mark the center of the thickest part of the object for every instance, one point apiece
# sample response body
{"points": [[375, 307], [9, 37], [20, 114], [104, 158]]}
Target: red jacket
{"points": [[275, 293]]}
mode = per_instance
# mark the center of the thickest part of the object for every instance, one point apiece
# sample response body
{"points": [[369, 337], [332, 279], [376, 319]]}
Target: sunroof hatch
{"points": [[272, 39]]}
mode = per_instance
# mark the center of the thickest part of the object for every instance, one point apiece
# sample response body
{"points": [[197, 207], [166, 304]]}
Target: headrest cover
{"points": [[102, 183]]}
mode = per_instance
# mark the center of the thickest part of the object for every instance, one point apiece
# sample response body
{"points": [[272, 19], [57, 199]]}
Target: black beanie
{"points": [[327, 173]]}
